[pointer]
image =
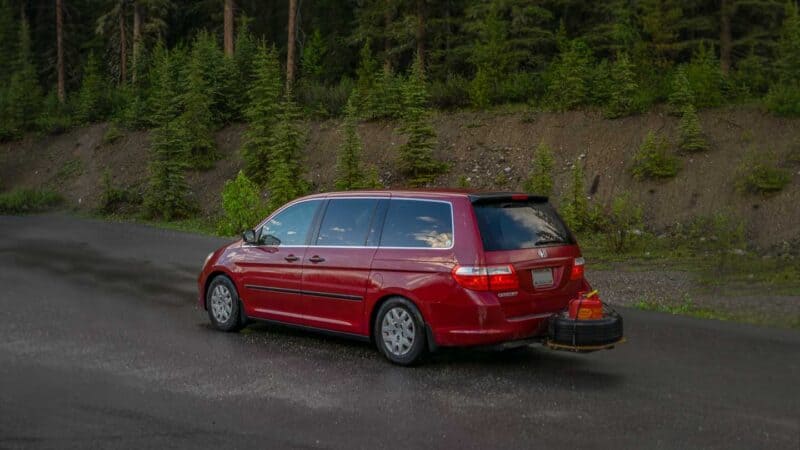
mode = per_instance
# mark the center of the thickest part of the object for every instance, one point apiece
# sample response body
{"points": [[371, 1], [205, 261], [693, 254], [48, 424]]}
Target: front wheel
{"points": [[222, 303], [400, 331]]}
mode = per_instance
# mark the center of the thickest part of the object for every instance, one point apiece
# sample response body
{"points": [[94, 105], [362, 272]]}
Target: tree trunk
{"points": [[387, 42], [123, 48], [230, 6], [725, 38], [137, 39], [60, 89], [290, 52], [421, 34]]}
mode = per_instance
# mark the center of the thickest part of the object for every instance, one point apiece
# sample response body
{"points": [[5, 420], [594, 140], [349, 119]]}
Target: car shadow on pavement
{"points": [[534, 363]]}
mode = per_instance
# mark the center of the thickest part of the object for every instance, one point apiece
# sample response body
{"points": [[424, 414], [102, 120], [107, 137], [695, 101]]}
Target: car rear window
{"points": [[418, 224], [514, 225]]}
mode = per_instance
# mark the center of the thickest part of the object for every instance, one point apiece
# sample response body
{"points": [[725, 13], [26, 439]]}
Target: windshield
{"points": [[510, 225]]}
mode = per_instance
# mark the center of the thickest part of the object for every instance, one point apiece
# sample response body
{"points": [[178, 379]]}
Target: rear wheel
{"points": [[400, 331], [222, 303]]}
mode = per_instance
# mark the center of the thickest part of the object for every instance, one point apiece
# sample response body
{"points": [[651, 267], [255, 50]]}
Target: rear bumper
{"points": [[482, 321]]}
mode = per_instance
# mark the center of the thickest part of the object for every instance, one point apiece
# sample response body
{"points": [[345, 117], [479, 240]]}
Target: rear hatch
{"points": [[526, 233]]}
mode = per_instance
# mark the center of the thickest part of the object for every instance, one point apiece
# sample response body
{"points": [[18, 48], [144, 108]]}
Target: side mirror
{"points": [[249, 237]]}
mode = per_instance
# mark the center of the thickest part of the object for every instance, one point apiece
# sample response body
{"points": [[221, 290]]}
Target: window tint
{"points": [[346, 222], [517, 225], [291, 225], [412, 223]]}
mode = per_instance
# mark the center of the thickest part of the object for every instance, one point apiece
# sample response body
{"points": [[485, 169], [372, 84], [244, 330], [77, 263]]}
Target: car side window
{"points": [[347, 222], [418, 224], [290, 226]]}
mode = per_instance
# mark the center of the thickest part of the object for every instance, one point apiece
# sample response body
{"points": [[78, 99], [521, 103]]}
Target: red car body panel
{"points": [[341, 290]]}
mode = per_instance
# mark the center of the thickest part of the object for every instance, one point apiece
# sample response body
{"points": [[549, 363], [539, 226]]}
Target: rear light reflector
{"points": [[487, 278], [576, 273]]}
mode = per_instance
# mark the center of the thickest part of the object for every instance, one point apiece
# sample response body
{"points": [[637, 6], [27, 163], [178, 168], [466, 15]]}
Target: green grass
{"points": [[22, 201], [686, 307], [199, 225], [70, 170], [720, 270]]}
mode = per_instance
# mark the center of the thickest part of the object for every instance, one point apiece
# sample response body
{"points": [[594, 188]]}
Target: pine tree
{"points": [[784, 96], [690, 134], [349, 170], [262, 114], [365, 82], [540, 181], [24, 97], [416, 155], [575, 206], [167, 194], [220, 75], [196, 120], [681, 94], [285, 180], [490, 54], [8, 40], [570, 77], [94, 96], [653, 161], [622, 101], [313, 55], [244, 60], [705, 77], [386, 98]]}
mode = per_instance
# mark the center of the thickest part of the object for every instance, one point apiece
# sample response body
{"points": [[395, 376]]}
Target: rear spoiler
{"points": [[495, 197]]}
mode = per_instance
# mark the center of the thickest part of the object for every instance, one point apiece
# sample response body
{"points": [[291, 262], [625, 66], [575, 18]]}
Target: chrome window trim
{"points": [[361, 197]]}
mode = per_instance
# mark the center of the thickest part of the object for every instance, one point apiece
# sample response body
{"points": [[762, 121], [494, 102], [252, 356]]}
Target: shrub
{"points": [[55, 117], [323, 100], [451, 93], [114, 199], [242, 204], [690, 134], [623, 222], [574, 205], [21, 201], [653, 161], [112, 134], [540, 180], [783, 99], [416, 155], [717, 233], [480, 89], [518, 87], [758, 174]]}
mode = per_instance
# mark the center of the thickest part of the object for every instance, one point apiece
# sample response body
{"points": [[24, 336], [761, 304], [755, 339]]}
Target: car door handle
{"points": [[291, 258], [316, 259]]}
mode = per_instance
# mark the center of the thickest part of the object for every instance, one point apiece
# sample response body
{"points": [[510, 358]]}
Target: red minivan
{"points": [[409, 270]]}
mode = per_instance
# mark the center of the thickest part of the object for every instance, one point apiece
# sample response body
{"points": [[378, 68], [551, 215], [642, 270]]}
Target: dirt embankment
{"points": [[493, 150]]}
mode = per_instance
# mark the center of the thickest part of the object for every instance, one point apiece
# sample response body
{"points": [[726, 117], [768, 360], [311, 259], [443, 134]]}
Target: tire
{"points": [[399, 332], [223, 305]]}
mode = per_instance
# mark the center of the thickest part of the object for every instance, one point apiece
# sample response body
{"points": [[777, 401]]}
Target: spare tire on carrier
{"points": [[565, 333]]}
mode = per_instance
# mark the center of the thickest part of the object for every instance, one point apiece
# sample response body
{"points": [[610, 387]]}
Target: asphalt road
{"points": [[101, 346]]}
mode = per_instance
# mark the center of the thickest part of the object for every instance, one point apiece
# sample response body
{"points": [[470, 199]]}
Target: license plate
{"points": [[542, 277]]}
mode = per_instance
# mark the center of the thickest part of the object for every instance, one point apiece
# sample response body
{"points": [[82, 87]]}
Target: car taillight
{"points": [[487, 278], [577, 269]]}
